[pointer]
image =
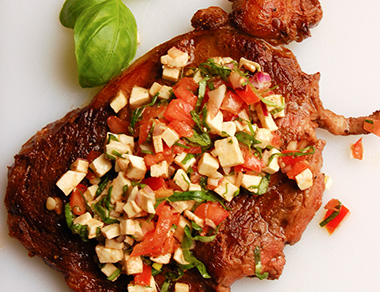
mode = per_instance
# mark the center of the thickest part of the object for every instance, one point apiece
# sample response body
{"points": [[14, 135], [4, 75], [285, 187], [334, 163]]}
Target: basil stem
{"points": [[79, 229], [258, 265], [114, 275], [207, 238], [332, 216]]}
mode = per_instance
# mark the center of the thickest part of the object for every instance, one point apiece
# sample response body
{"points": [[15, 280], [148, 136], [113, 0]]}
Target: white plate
{"points": [[38, 84]]}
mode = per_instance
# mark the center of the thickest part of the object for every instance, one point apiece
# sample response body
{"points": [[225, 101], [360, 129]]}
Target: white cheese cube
{"points": [[162, 259], [242, 126], [195, 187], [69, 181], [226, 190], [180, 231], [138, 288], [171, 74], [264, 136], [304, 179], [132, 209], [93, 226], [134, 265], [192, 217], [229, 128], [170, 136], [137, 168], [115, 149], [147, 200], [83, 219], [208, 165], [175, 58], [229, 152], [198, 76], [129, 241], [266, 120], [155, 88], [215, 123], [328, 182], [108, 255], [122, 162], [128, 227], [175, 52], [181, 287], [127, 140], [270, 160], [216, 96], [179, 258], [90, 193], [108, 269], [118, 102], [181, 206], [139, 96], [160, 170], [119, 185], [113, 243], [185, 165], [251, 182], [165, 92], [111, 231], [249, 65], [119, 206], [79, 165], [278, 100], [235, 179], [157, 144], [222, 60], [101, 165], [244, 115], [182, 180]]}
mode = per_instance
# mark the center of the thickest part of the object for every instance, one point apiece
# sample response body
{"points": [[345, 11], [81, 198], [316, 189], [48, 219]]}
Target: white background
{"points": [[38, 84]]}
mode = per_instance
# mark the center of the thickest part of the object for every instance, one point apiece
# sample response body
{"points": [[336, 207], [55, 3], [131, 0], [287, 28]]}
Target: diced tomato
{"points": [[228, 116], [183, 129], [144, 130], [251, 162], [179, 110], [291, 159], [232, 102], [185, 89], [152, 112], [213, 211], [297, 168], [276, 140], [167, 155], [248, 95], [372, 125], [143, 279], [77, 202], [117, 125], [155, 183], [155, 242], [357, 149], [336, 222]]}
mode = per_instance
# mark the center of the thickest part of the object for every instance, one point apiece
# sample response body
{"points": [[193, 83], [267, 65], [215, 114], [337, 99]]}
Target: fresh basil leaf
{"points": [[263, 186], [258, 265], [105, 37], [71, 9], [200, 139], [79, 229], [206, 238], [246, 139]]}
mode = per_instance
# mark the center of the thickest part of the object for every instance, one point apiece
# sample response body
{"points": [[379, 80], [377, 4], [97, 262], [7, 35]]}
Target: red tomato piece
{"points": [[251, 162], [336, 222], [152, 112], [183, 129], [185, 89], [168, 155], [213, 211], [297, 168], [77, 202], [232, 102], [372, 125], [155, 183], [248, 95], [357, 149], [117, 125], [276, 140], [179, 110], [291, 159], [143, 279], [93, 155]]}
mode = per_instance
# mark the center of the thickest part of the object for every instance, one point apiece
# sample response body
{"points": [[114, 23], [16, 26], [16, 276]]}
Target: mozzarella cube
{"points": [[229, 128], [266, 120], [93, 226], [179, 258], [113, 243], [115, 149], [278, 100], [180, 231], [147, 200], [192, 217], [304, 179], [249, 65], [111, 231], [160, 170], [171, 74], [134, 265], [270, 160], [139, 96], [235, 178], [208, 165], [178, 62], [83, 219], [108, 269], [181, 206], [264, 136], [79, 165], [182, 180], [251, 182], [185, 165], [90, 193], [162, 259], [226, 190], [328, 182], [108, 255], [138, 288], [118, 102], [170, 137], [229, 152], [215, 123], [132, 209], [195, 187], [157, 144], [69, 181], [216, 96], [119, 186], [101, 165], [155, 88], [127, 140], [127, 227], [181, 287], [165, 92], [137, 168], [244, 115], [122, 162]]}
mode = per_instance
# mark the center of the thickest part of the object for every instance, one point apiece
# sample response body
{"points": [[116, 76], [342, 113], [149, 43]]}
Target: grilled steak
{"points": [[269, 221]]}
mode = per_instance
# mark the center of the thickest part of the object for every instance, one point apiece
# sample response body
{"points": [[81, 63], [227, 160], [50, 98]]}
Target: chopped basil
{"points": [[207, 238], [181, 145], [137, 113], [114, 275], [200, 139], [332, 215], [103, 183], [79, 229], [258, 265], [369, 121], [211, 68], [187, 158], [246, 139], [201, 93], [112, 137], [264, 184]]}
